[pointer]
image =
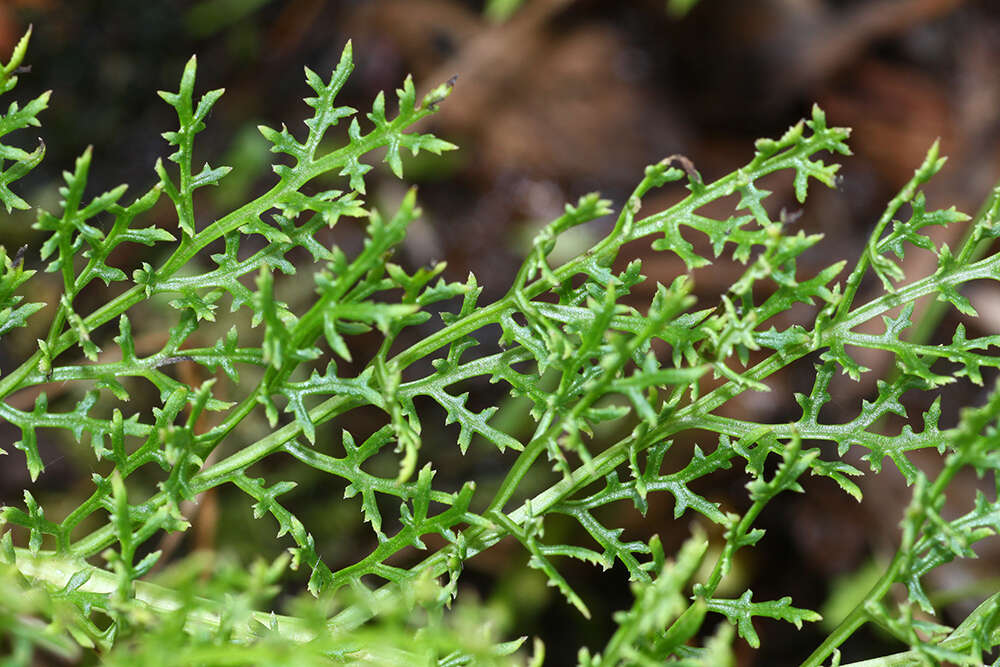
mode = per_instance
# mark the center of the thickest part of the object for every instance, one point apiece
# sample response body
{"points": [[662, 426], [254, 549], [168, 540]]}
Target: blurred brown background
{"points": [[563, 98]]}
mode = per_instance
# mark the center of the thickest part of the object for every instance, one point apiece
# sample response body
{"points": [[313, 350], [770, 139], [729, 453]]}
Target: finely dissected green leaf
{"points": [[17, 118], [795, 462], [660, 620], [742, 611], [540, 562], [413, 141], [603, 391], [13, 311], [71, 230], [191, 120]]}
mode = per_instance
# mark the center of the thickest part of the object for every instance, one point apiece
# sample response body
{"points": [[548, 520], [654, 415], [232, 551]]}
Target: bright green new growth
{"points": [[570, 348]]}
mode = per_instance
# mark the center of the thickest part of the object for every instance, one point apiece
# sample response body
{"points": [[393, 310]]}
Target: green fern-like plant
{"points": [[578, 354]]}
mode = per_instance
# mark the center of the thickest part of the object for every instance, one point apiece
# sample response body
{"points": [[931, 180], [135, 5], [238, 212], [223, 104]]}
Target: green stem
{"points": [[971, 251], [858, 615], [722, 565], [929, 167]]}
